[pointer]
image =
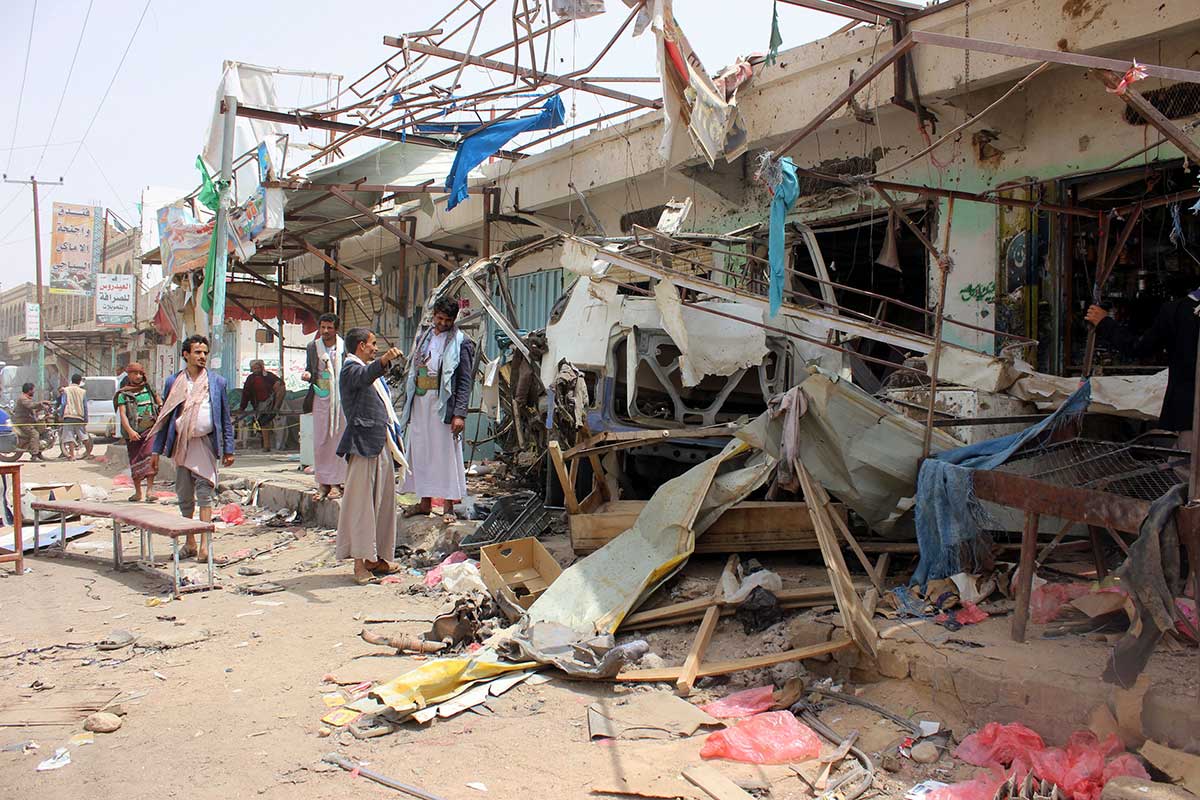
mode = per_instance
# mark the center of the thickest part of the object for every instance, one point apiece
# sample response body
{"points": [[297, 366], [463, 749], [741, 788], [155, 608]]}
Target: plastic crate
{"points": [[505, 514]]}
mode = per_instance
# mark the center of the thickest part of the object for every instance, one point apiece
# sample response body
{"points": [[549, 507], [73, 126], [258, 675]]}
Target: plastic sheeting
{"points": [[862, 451], [438, 681], [475, 149], [596, 593]]}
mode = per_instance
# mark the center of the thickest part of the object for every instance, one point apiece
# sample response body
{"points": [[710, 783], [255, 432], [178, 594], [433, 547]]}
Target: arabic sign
{"points": [[114, 299], [33, 321], [75, 244], [183, 242]]}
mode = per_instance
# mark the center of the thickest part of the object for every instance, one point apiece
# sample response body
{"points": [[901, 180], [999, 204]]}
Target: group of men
{"points": [[363, 447]]}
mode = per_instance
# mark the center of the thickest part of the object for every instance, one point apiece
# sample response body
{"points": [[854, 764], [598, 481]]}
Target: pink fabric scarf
{"points": [[190, 400]]}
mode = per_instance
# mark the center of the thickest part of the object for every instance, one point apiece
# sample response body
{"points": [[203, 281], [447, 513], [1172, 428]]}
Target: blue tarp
{"points": [[947, 512], [475, 149], [785, 195]]}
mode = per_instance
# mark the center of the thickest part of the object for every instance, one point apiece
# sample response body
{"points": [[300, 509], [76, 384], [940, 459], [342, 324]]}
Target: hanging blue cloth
{"points": [[785, 196], [476, 148], [947, 512]]}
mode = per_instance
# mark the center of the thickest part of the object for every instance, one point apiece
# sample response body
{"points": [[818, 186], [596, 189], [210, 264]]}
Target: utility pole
{"points": [[37, 260]]}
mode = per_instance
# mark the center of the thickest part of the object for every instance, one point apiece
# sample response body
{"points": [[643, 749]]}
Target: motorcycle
{"points": [[10, 448]]}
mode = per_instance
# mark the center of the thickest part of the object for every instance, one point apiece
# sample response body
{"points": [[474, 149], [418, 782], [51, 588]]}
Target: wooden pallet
{"points": [[752, 526]]}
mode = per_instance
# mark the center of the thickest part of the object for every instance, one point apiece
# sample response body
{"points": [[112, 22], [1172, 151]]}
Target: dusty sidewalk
{"points": [[237, 714]]}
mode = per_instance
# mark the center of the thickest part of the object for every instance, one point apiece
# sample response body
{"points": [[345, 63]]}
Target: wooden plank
{"points": [[560, 469], [708, 626], [668, 674], [1025, 575], [697, 607], [858, 623], [713, 783], [598, 477], [691, 663], [749, 526], [726, 611]]}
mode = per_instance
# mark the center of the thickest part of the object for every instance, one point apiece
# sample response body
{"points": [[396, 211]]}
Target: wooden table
{"points": [[18, 554]]}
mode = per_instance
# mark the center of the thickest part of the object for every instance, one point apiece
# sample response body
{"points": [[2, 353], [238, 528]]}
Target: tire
{"points": [[11, 457]]}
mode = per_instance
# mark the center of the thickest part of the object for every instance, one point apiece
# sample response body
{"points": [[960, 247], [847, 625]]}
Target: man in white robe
{"points": [[438, 378], [323, 366]]}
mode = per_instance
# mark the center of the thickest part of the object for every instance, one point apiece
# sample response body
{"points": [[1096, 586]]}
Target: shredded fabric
{"points": [[785, 196], [477, 147], [948, 515]]}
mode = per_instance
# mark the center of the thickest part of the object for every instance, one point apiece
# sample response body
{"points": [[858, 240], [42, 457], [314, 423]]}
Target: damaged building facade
{"points": [[1061, 145]]}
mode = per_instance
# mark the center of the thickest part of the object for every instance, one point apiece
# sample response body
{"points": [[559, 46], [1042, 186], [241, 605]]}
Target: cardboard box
{"points": [[519, 571]]}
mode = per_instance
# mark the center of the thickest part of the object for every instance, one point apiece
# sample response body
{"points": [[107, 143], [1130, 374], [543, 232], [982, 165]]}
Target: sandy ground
{"points": [[237, 714]]}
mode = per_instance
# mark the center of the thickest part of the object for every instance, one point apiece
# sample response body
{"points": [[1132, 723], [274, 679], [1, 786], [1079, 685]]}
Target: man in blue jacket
{"points": [[195, 430], [366, 528]]}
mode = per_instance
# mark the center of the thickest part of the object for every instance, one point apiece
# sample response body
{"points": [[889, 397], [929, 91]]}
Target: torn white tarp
{"points": [[710, 344], [252, 87], [691, 98], [1132, 396], [595, 593]]}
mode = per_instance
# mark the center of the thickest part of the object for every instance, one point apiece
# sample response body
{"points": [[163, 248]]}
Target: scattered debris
{"points": [[652, 715], [402, 643], [60, 759], [362, 771]]}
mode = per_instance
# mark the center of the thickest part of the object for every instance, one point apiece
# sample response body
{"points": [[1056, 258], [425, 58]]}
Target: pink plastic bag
{"points": [[434, 576], [231, 514], [1186, 608], [1049, 598], [982, 787], [1000, 744], [122, 480], [1080, 769], [776, 737], [742, 704]]}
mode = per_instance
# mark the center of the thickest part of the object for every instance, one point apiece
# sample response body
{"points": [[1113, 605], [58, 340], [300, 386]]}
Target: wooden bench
{"points": [[149, 523]]}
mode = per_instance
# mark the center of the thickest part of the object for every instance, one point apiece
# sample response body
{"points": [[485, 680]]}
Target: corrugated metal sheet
{"points": [[533, 296]]}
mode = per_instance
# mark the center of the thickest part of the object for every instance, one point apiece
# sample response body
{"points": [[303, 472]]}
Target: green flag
{"points": [[210, 197], [776, 36]]}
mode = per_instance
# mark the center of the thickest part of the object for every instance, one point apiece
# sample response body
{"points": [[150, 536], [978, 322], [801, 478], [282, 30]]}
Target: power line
{"points": [[116, 72], [66, 84], [21, 93], [107, 182]]}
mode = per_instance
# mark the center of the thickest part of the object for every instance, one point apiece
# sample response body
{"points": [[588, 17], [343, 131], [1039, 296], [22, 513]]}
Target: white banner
{"points": [[33, 321], [114, 299]]}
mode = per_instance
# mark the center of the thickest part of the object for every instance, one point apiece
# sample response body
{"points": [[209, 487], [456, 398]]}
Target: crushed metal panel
{"points": [[710, 344]]}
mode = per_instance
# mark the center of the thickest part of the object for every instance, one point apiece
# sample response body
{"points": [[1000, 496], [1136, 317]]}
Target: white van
{"points": [[102, 415]]}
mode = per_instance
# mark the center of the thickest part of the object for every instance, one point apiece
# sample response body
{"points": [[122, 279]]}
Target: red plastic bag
{"points": [[970, 614], [982, 787], [434, 576], [742, 704], [776, 737], [1000, 744], [1049, 598], [121, 479], [231, 514]]}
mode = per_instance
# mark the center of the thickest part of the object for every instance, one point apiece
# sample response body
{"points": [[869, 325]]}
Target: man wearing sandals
{"points": [[366, 530], [323, 366], [195, 430], [439, 379]]}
